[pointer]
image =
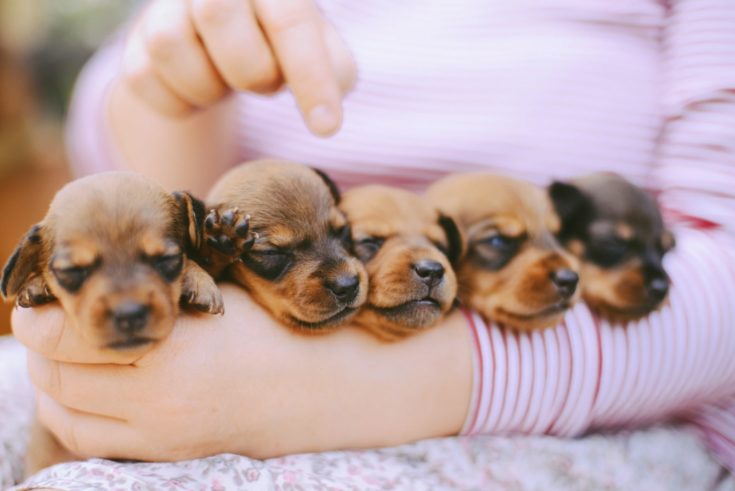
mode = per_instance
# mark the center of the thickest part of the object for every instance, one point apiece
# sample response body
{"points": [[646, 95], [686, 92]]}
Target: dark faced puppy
{"points": [[514, 271], [407, 247], [111, 250], [293, 255], [616, 229]]}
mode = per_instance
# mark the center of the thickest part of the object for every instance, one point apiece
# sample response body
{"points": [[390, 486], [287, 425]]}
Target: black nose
{"points": [[430, 272], [658, 288], [565, 281], [344, 287], [130, 317]]}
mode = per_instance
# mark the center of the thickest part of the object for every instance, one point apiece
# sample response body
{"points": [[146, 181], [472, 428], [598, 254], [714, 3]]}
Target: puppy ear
{"points": [[333, 189], [569, 202], [23, 264], [454, 238], [192, 213]]}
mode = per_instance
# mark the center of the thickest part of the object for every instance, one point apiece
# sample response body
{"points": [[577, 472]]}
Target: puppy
{"points": [[514, 271], [112, 251], [408, 248], [293, 255], [616, 230]]}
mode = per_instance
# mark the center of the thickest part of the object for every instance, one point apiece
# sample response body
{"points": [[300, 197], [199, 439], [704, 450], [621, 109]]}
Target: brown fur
{"points": [[399, 301], [287, 214], [118, 225], [603, 209], [515, 287]]}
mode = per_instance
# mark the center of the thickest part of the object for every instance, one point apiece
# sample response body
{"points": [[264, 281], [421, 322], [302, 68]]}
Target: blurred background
{"points": [[43, 46]]}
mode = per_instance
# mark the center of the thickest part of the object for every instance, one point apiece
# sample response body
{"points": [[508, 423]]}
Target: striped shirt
{"points": [[541, 90]]}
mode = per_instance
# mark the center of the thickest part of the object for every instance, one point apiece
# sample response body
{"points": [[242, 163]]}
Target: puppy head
{"points": [[300, 267], [514, 272], [616, 229], [407, 247], [111, 250]]}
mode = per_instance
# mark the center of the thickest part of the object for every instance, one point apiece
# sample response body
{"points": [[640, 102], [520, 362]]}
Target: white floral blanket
{"points": [[653, 459]]}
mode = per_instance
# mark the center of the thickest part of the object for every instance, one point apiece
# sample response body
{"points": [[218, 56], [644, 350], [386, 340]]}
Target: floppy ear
{"points": [[23, 264], [333, 189], [570, 203], [192, 213], [454, 238]]}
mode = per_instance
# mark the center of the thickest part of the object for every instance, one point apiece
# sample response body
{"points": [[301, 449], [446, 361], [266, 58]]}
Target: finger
{"points": [[141, 77], [236, 44], [98, 389], [88, 435], [294, 29], [178, 56], [343, 63], [47, 331]]}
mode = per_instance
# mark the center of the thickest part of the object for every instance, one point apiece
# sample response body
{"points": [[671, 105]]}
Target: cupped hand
{"points": [[241, 383], [186, 54]]}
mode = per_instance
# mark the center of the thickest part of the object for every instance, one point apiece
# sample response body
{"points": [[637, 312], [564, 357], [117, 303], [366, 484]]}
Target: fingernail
{"points": [[323, 121]]}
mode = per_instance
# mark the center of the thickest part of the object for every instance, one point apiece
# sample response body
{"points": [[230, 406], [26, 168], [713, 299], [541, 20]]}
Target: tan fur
{"points": [[291, 209], [520, 294], [411, 231]]}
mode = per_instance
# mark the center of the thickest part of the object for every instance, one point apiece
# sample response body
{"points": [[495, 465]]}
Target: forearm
{"points": [[189, 153], [347, 390]]}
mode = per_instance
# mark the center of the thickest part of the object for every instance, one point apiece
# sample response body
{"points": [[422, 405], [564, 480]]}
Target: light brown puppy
{"points": [[112, 251], [616, 230], [293, 255], [514, 271], [407, 247]]}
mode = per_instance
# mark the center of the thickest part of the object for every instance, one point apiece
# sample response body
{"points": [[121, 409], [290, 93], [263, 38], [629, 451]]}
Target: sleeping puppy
{"points": [[293, 255], [408, 248], [616, 230], [112, 251], [514, 271]]}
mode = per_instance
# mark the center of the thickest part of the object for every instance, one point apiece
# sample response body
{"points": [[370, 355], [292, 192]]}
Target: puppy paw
{"points": [[229, 232], [199, 291], [34, 292]]}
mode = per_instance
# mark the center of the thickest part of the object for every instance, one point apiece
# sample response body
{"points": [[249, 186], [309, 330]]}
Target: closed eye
{"points": [[72, 278], [268, 263], [494, 251], [169, 266], [608, 252], [367, 247]]}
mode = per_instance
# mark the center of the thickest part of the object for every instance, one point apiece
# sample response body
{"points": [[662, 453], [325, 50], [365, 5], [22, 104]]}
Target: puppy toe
{"points": [[242, 227]]}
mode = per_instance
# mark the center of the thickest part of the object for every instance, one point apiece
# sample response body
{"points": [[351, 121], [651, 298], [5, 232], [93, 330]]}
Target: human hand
{"points": [[181, 55], [241, 383]]}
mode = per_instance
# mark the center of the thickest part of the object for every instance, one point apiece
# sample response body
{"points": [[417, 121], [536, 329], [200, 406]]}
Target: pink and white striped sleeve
{"points": [[680, 361]]}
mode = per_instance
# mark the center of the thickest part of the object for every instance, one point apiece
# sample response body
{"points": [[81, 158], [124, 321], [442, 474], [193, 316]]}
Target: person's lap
{"points": [[658, 458]]}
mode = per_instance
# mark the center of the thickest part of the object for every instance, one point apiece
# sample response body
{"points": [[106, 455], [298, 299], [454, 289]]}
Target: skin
{"points": [[221, 365], [169, 109]]}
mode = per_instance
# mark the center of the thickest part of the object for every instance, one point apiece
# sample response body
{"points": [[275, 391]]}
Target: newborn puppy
{"points": [[408, 248], [111, 250], [514, 272], [616, 230], [293, 255]]}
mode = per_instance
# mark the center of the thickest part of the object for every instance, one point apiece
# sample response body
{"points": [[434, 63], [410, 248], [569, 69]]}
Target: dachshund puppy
{"points": [[616, 230], [293, 255], [514, 271], [112, 251], [408, 248]]}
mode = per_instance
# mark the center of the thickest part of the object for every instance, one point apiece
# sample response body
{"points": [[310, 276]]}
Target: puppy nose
{"points": [[565, 281], [344, 287], [658, 288], [130, 317], [430, 272]]}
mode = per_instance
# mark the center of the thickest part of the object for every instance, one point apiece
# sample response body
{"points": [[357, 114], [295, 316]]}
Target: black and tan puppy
{"points": [[514, 271], [112, 251], [616, 230], [293, 255], [408, 248]]}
